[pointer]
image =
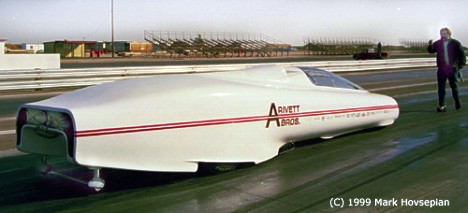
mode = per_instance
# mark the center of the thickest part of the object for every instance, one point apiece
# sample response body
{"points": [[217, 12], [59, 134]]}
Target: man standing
{"points": [[450, 60]]}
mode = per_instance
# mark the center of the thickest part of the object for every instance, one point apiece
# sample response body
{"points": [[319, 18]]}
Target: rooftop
{"points": [[73, 42]]}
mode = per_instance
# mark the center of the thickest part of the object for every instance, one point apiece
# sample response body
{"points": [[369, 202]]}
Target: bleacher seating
{"points": [[206, 44], [337, 46]]}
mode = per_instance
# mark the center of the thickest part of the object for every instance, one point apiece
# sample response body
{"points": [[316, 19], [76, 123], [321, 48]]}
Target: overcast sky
{"points": [[24, 21]]}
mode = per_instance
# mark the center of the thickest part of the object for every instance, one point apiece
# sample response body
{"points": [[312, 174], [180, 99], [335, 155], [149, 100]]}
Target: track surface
{"points": [[423, 156]]}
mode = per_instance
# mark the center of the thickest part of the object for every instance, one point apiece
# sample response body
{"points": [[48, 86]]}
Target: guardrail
{"points": [[13, 80]]}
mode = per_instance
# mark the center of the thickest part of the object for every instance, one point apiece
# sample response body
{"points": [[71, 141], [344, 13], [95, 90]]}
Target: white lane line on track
{"points": [[7, 119], [7, 132], [10, 153], [21, 95]]}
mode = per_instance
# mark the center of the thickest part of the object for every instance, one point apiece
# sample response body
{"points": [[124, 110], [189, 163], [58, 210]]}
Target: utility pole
{"points": [[112, 27]]}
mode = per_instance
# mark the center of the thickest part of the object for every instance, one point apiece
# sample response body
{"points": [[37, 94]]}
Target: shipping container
{"points": [[68, 49], [141, 47], [119, 46]]}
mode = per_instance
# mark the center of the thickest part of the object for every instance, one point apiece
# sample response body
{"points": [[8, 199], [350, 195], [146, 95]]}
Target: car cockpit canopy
{"points": [[327, 79]]}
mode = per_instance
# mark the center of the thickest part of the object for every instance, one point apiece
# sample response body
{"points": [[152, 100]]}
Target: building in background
{"points": [[102, 46], [119, 46], [130, 46], [141, 47], [70, 49], [33, 48], [74, 49]]}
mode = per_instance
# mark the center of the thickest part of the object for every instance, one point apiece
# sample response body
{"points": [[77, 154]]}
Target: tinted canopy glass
{"points": [[327, 79]]}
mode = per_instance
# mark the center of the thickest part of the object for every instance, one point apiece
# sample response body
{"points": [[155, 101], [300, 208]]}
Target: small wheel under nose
{"points": [[217, 168], [44, 168], [97, 183]]}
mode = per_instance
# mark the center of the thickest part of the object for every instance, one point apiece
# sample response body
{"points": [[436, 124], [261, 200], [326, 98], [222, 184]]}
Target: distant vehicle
{"points": [[174, 123], [370, 54]]}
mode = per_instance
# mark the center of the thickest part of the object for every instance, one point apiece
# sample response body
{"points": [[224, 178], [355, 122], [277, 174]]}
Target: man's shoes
{"points": [[441, 109], [457, 105]]}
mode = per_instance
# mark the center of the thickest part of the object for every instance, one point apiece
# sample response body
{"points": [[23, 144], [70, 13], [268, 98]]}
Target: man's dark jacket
{"points": [[456, 55]]}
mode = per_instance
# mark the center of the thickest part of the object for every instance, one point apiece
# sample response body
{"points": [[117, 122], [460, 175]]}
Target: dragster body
{"points": [[173, 123]]}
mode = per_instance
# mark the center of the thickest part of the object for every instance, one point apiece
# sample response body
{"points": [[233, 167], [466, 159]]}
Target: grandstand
{"points": [[337, 46], [414, 45], [215, 44]]}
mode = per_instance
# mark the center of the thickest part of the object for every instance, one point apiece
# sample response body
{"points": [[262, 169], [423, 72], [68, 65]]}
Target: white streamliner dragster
{"points": [[173, 123]]}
